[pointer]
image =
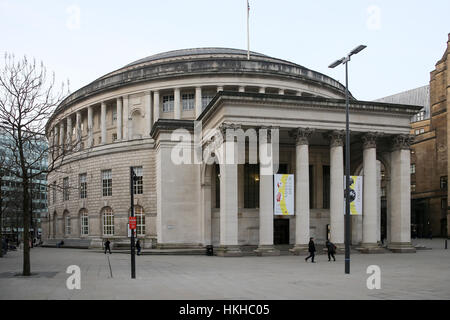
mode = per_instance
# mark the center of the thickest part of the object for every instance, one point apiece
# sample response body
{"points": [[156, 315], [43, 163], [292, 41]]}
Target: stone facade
{"points": [[430, 158], [141, 115]]}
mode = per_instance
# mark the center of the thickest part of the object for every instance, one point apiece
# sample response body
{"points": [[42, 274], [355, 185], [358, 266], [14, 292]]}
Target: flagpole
{"points": [[248, 31]]}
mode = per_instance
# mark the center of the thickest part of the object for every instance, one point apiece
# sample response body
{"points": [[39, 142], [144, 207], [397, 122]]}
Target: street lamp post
{"points": [[345, 61], [133, 258]]}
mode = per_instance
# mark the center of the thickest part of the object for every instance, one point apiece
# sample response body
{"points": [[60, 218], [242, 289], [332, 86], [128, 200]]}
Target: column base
{"points": [[229, 251], [299, 250], [266, 251], [371, 248], [401, 247]]}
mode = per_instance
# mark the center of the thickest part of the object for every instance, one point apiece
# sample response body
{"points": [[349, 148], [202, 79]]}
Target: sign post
{"points": [[132, 219]]}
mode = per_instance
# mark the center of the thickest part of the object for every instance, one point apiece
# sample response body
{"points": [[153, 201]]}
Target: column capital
{"points": [[336, 138], [301, 135], [402, 142], [370, 140], [226, 128]]}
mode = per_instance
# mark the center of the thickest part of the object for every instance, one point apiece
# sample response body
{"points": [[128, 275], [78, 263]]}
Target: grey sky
{"points": [[83, 40]]}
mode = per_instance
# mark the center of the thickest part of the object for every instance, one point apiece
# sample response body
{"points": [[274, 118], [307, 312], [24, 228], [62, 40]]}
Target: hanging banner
{"points": [[356, 195], [283, 194]]}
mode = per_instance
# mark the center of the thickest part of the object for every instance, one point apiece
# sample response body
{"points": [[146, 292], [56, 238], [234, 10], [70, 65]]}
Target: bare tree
{"points": [[28, 98]]}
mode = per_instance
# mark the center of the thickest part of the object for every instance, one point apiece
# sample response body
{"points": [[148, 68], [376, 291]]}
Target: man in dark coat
{"points": [[138, 247], [107, 246], [311, 249], [331, 250]]}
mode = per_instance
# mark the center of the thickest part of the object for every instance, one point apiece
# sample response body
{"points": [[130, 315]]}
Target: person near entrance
{"points": [[138, 247], [311, 249], [331, 250]]}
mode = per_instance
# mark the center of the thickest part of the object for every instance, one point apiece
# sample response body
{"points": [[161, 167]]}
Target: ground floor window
{"points": [[108, 222], [140, 220], [84, 218]]}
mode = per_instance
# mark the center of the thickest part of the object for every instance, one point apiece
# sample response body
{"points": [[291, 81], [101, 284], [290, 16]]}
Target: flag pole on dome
{"points": [[248, 32]]}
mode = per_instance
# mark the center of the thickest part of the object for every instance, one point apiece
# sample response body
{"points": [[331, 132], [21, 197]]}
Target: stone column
{"points": [[266, 171], [126, 128], [280, 91], [219, 88], [337, 187], [228, 195], [103, 122], [369, 239], [198, 101], [400, 188], [206, 206], [119, 118], [69, 132], [78, 130], [176, 104], [298, 93], [55, 142], [241, 89], [302, 204], [155, 106], [90, 141], [61, 136], [148, 114], [262, 90]]}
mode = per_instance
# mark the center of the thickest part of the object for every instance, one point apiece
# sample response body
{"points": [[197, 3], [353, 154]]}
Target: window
{"points": [[413, 168], [114, 116], [66, 189], [422, 130], [417, 132], [188, 101], [138, 186], [54, 192], [108, 222], [107, 183], [168, 103], [326, 187], [83, 185], [420, 116], [84, 218], [114, 137], [251, 185], [67, 224], [413, 187], [140, 220], [444, 183], [206, 99]]}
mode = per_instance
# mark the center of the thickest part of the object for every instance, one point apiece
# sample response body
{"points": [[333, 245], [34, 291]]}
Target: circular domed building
{"points": [[169, 117]]}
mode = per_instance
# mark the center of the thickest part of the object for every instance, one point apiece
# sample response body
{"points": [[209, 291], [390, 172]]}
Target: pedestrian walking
{"points": [[138, 247], [311, 249], [107, 246], [331, 250]]}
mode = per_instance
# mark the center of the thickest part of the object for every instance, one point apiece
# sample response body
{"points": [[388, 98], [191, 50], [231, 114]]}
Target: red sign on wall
{"points": [[132, 223]]}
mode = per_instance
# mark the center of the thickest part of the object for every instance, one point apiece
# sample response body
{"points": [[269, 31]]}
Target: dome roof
{"points": [[196, 51]]}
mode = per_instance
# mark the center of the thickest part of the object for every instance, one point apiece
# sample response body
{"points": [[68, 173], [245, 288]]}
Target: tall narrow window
{"points": [[68, 228], [83, 185], [138, 185], [84, 218], [140, 220], [188, 101], [54, 192], [108, 222], [66, 189], [251, 185], [107, 182], [326, 186], [206, 99], [168, 103]]}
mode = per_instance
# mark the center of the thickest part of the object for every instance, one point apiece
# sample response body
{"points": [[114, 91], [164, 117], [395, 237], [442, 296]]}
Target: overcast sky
{"points": [[83, 40]]}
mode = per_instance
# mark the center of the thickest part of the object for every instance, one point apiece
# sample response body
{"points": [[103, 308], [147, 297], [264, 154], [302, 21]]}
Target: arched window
{"points": [[55, 217], [140, 220], [67, 226], [84, 222], [108, 222]]}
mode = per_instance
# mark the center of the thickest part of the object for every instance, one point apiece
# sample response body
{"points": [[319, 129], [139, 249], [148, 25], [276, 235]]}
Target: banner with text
{"points": [[283, 194], [356, 195]]}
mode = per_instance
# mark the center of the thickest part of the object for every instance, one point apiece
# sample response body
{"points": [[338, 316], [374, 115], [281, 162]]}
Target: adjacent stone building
{"points": [[194, 104]]}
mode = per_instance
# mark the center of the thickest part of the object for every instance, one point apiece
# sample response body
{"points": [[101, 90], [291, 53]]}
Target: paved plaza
{"points": [[423, 275]]}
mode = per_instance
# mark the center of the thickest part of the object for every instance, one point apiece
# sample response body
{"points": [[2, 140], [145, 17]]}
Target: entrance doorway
{"points": [[281, 231]]}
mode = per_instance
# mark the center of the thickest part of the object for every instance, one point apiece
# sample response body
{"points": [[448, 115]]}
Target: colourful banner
{"points": [[356, 195], [283, 194]]}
